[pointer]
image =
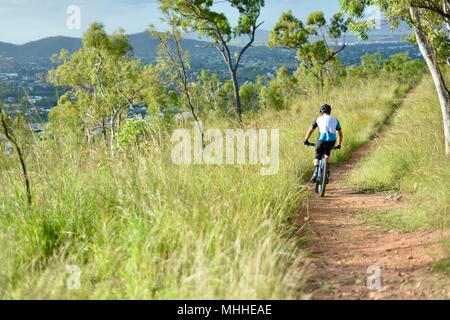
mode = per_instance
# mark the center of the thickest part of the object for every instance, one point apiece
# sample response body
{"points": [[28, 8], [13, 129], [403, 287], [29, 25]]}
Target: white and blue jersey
{"points": [[328, 126]]}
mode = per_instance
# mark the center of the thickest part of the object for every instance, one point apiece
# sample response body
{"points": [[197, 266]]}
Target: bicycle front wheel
{"points": [[324, 179]]}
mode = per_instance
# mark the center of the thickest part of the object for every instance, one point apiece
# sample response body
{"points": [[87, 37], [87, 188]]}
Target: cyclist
{"points": [[328, 127]]}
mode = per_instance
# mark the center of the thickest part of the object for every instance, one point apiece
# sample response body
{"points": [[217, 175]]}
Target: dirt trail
{"points": [[342, 248]]}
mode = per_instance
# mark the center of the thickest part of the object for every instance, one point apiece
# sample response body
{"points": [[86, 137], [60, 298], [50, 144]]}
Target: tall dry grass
{"points": [[411, 159], [140, 227]]}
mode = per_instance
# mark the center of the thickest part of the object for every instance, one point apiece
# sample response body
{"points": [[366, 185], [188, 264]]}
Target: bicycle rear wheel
{"points": [[323, 187]]}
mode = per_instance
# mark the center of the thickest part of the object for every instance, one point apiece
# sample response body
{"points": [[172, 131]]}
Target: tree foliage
{"points": [[433, 18], [312, 40], [104, 81], [201, 16], [279, 92], [175, 62], [205, 92], [430, 20]]}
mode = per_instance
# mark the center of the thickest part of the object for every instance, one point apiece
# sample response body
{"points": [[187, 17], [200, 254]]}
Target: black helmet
{"points": [[325, 109]]}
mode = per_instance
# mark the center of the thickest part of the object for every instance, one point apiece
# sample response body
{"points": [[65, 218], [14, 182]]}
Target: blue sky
{"points": [[26, 20]]}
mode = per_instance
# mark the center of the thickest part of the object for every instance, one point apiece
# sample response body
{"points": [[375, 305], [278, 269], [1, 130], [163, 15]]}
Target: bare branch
{"points": [[11, 137]]}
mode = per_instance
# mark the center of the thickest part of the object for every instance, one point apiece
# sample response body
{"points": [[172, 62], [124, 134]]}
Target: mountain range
{"points": [[145, 46]]}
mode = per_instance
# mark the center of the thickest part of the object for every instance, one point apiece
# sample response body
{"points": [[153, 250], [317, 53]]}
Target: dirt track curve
{"points": [[342, 248]]}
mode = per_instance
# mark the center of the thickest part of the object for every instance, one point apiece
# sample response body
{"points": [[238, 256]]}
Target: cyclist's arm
{"points": [[311, 130], [340, 134], [341, 137], [309, 133]]}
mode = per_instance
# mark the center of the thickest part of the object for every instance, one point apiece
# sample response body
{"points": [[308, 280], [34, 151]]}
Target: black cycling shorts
{"points": [[324, 148]]}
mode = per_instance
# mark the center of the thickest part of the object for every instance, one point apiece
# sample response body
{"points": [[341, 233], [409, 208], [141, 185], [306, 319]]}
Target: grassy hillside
{"points": [[140, 227], [411, 159]]}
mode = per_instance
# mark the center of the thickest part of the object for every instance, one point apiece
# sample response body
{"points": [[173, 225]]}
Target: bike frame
{"points": [[321, 181]]}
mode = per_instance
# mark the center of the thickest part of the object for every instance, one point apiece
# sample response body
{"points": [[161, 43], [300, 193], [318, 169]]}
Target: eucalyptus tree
{"points": [[202, 17], [312, 40], [176, 63], [206, 90], [280, 91], [447, 22], [104, 81], [430, 21]]}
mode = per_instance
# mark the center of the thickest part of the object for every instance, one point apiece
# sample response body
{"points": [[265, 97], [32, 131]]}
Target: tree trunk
{"points": [[11, 137], [321, 81], [113, 134], [237, 95], [430, 57], [105, 135], [87, 135], [447, 10]]}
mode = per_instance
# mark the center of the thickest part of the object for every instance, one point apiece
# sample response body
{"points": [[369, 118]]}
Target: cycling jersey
{"points": [[328, 126]]}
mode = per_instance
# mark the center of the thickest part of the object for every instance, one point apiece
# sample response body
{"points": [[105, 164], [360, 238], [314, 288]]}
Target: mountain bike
{"points": [[322, 177]]}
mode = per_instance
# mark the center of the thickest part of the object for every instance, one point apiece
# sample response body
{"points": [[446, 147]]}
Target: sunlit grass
{"points": [[140, 227], [411, 159]]}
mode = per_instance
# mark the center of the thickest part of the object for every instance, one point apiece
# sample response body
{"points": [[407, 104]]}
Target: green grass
{"points": [[411, 159], [140, 227], [399, 220], [441, 266]]}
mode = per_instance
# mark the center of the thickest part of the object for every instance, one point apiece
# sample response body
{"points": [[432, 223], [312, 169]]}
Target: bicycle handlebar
{"points": [[313, 145]]}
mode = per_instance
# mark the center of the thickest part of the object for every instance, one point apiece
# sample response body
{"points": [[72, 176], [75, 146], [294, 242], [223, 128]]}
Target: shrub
{"points": [[279, 92], [134, 133], [250, 96]]}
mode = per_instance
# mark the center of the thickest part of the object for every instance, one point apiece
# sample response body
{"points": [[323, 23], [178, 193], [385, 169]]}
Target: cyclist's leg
{"points": [[329, 147], [320, 151]]}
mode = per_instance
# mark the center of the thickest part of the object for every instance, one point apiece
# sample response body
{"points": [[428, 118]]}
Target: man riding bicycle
{"points": [[328, 127]]}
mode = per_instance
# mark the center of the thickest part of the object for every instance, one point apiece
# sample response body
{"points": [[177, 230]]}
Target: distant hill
{"points": [[34, 57], [7, 49], [385, 33], [43, 48], [144, 46]]}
